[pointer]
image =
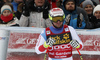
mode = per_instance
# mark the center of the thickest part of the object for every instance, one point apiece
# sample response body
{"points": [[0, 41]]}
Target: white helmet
{"points": [[56, 12]]}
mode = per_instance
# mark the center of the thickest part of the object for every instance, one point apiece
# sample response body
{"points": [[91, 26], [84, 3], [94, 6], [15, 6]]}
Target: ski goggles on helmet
{"points": [[57, 18]]}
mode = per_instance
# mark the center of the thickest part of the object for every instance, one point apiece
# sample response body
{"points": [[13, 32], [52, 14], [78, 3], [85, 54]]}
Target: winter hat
{"points": [[80, 1], [87, 2], [66, 1], [5, 7], [97, 8]]}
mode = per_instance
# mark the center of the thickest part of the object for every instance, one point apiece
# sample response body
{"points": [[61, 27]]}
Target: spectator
{"points": [[55, 39], [7, 19], [96, 11], [72, 17], [15, 4], [96, 17], [88, 7], [78, 11], [35, 15]]}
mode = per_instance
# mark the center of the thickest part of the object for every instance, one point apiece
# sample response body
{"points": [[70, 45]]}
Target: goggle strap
{"points": [[63, 16], [50, 17]]}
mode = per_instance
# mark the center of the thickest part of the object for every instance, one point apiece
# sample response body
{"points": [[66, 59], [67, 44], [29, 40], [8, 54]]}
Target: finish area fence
{"points": [[22, 41]]}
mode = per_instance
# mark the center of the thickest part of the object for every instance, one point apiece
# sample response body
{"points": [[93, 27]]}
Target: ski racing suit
{"points": [[61, 49]]}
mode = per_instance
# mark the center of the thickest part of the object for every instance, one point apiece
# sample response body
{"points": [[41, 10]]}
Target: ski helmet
{"points": [[56, 12]]}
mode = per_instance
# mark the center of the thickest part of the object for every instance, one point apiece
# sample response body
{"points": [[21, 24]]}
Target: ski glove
{"points": [[49, 42], [75, 44], [67, 19]]}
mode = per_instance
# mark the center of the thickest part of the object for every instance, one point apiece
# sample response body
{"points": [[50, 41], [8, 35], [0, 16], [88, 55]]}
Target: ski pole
{"points": [[79, 54], [75, 43], [46, 54], [49, 42]]}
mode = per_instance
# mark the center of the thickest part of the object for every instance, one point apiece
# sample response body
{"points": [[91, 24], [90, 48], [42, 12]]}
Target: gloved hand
{"points": [[25, 9], [75, 44], [49, 43], [67, 20], [79, 20]]}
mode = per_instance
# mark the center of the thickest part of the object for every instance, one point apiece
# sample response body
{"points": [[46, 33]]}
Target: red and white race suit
{"points": [[61, 49]]}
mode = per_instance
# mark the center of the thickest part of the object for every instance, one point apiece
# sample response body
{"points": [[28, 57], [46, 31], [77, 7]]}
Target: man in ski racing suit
{"points": [[56, 39]]}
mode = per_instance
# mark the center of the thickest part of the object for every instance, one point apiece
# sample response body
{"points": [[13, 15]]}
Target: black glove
{"points": [[79, 20], [25, 9], [46, 10]]}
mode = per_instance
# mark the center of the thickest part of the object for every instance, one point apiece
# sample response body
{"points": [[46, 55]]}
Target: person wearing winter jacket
{"points": [[88, 6], [72, 18], [35, 13], [7, 19], [58, 40], [78, 11], [96, 17]]}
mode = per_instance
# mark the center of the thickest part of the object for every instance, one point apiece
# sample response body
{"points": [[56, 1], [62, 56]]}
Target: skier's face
{"points": [[58, 24], [70, 5], [97, 14], [39, 2]]}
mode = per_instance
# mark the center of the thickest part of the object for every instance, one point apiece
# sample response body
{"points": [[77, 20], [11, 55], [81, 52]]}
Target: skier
{"points": [[56, 38]]}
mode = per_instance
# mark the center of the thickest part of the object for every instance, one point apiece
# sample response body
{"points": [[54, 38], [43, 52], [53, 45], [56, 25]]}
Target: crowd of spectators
{"points": [[80, 14]]}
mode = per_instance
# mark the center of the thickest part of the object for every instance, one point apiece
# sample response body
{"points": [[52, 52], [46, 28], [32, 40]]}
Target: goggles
{"points": [[56, 19]]}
